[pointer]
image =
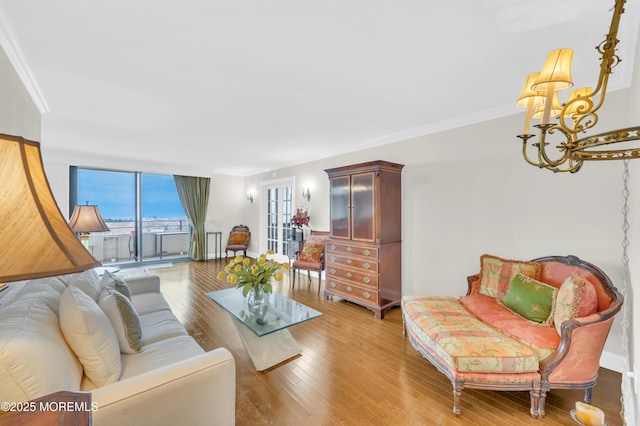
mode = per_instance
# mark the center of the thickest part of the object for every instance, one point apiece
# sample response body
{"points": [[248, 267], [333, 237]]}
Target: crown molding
{"points": [[10, 46]]}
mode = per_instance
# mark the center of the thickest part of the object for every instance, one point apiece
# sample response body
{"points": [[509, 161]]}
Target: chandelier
{"points": [[579, 114]]}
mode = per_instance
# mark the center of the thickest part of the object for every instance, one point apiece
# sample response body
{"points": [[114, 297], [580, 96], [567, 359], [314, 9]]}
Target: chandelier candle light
{"points": [[579, 114]]}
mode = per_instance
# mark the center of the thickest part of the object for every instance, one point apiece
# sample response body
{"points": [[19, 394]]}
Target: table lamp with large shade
{"points": [[35, 239]]}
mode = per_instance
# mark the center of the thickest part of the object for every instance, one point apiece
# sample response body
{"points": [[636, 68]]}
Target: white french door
{"points": [[277, 210]]}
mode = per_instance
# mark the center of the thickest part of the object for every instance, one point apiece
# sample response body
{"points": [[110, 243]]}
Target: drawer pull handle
{"points": [[367, 252], [367, 295], [366, 280], [333, 285], [333, 258], [349, 274], [333, 247], [349, 288], [349, 261], [349, 249], [333, 271], [366, 266]]}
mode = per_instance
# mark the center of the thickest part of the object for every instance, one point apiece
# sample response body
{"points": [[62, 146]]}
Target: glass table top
{"points": [[283, 312]]}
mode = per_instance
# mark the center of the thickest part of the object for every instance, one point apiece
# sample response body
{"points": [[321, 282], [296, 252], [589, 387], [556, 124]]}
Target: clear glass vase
{"points": [[258, 304]]}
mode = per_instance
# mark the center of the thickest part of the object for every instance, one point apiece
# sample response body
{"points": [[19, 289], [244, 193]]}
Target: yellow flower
{"points": [[278, 276], [238, 268], [238, 259], [255, 269], [233, 279], [286, 266], [270, 252], [246, 261], [221, 275]]}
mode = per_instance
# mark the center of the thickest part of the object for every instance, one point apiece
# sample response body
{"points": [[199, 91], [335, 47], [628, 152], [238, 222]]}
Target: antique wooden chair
{"points": [[238, 240], [311, 257]]}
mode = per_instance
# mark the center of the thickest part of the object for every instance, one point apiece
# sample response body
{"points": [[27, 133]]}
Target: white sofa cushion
{"points": [[34, 357], [159, 354], [160, 325], [90, 335], [123, 318], [89, 282], [149, 302]]}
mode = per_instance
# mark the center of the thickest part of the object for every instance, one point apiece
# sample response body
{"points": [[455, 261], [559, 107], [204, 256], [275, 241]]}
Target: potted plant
{"points": [[300, 219]]}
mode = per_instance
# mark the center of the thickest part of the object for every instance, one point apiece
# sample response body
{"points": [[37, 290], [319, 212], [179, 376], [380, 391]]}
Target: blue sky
{"points": [[114, 193]]}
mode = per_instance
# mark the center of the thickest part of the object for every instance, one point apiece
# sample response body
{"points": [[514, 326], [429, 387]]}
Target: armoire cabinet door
{"points": [[340, 207], [362, 211]]}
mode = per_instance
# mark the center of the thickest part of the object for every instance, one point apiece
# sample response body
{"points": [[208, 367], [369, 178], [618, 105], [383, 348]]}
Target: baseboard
{"points": [[611, 361]]}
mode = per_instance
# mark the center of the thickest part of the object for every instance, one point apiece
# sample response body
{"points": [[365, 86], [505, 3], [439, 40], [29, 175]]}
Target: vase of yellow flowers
{"points": [[254, 278]]}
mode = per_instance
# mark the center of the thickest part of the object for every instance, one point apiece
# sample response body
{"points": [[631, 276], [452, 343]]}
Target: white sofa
{"points": [[170, 380]]}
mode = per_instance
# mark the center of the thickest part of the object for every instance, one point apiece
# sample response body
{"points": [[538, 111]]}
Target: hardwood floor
{"points": [[354, 369]]}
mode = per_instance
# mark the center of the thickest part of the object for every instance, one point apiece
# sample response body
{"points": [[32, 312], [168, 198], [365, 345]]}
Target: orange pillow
{"points": [[311, 252], [238, 238]]}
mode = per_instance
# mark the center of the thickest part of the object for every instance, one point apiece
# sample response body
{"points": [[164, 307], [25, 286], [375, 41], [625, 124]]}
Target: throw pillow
{"points": [[90, 336], [576, 298], [531, 299], [114, 281], [123, 318], [496, 274], [238, 238], [89, 282], [311, 252]]}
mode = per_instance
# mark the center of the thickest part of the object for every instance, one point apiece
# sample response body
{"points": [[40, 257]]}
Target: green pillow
{"points": [[530, 299]]}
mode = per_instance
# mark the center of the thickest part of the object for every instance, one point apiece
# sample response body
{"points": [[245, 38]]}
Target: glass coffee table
{"points": [[267, 339]]}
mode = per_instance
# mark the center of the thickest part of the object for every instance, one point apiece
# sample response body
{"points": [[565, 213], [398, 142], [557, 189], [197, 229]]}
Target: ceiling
{"points": [[245, 86]]}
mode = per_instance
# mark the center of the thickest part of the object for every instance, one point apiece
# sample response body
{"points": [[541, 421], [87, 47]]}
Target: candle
{"points": [[589, 415]]}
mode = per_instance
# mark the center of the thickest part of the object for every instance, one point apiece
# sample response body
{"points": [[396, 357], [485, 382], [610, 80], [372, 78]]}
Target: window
{"points": [[143, 212]]}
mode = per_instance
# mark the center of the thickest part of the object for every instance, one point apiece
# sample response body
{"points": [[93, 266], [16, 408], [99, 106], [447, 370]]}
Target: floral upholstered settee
{"points": [[523, 325]]}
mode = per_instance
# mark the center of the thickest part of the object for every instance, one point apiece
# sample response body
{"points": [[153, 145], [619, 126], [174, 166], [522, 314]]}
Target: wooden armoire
{"points": [[364, 249]]}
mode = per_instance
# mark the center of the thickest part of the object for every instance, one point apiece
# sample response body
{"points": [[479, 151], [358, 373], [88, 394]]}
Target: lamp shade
{"points": [[35, 239], [87, 219], [556, 73], [528, 94]]}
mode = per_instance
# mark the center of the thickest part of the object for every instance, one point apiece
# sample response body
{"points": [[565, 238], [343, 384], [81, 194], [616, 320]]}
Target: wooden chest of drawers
{"points": [[354, 271], [363, 251]]}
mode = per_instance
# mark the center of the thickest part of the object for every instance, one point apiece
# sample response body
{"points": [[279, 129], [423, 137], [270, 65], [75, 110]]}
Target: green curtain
{"points": [[194, 196]]}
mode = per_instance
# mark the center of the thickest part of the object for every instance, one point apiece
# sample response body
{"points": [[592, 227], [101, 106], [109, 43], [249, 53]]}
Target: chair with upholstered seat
{"points": [[311, 258], [238, 240]]}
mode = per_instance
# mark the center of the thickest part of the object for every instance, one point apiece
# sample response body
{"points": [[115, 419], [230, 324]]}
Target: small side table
{"points": [[217, 244], [60, 408]]}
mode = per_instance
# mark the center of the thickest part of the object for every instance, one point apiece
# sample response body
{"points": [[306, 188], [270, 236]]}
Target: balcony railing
{"points": [[161, 239]]}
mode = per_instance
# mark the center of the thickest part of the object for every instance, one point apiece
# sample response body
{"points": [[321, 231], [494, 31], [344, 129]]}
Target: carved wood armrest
{"points": [[473, 281]]}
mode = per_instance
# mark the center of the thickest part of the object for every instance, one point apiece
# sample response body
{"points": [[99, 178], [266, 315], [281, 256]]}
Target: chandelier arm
{"points": [[525, 138], [550, 129]]}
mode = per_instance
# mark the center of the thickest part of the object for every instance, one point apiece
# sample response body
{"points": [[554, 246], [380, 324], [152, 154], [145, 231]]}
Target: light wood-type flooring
{"points": [[354, 369]]}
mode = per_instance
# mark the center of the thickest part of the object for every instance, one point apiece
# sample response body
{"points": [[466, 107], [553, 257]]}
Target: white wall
{"points": [[18, 114]]}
